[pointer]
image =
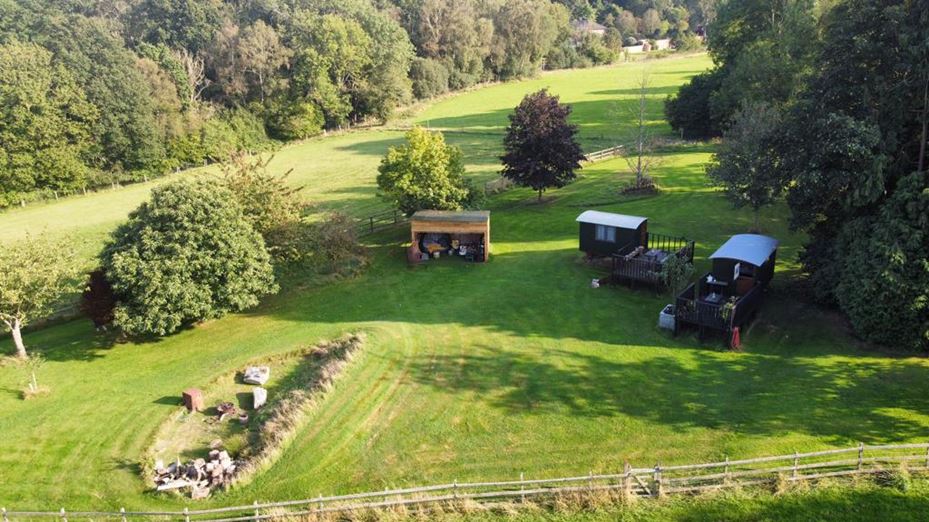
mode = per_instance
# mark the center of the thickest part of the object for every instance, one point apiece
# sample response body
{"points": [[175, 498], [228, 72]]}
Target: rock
{"points": [[159, 466], [224, 456], [174, 484], [257, 375], [215, 444], [259, 397], [214, 454], [198, 493]]}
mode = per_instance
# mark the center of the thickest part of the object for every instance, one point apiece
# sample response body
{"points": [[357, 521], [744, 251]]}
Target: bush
{"points": [[97, 300], [687, 42], [430, 78], [231, 131], [689, 111], [186, 255], [293, 119], [564, 56], [594, 49]]}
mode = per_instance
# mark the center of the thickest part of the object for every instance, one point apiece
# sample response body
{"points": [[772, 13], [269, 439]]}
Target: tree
{"points": [[642, 160], [425, 173], [746, 163], [851, 145], [262, 55], [272, 207], [651, 23], [688, 111], [518, 49], [34, 274], [45, 122], [187, 254], [541, 150]]}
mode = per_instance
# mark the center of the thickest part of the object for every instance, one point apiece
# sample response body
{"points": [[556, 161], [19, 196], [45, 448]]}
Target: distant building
{"points": [[662, 44], [588, 27]]}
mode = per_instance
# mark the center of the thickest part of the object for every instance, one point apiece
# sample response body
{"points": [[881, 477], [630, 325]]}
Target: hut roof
{"points": [[754, 249], [454, 216], [608, 218]]}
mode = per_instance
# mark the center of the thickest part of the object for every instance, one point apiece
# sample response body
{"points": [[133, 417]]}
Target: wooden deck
{"points": [[645, 268]]}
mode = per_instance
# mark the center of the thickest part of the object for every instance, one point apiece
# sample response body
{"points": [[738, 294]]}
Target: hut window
{"points": [[605, 233]]}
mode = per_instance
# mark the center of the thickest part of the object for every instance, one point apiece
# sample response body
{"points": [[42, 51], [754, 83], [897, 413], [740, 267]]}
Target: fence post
{"points": [[927, 457], [627, 481], [122, 513], [860, 455], [371, 219], [455, 489], [590, 481], [659, 489], [186, 514], [255, 506], [793, 473], [319, 502], [728, 477], [5, 517], [522, 488], [64, 517]]}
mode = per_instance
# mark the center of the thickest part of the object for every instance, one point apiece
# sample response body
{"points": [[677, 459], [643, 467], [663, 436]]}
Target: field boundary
{"points": [[647, 482]]}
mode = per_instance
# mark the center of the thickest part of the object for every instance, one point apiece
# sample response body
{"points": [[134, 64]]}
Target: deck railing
{"points": [[647, 269], [691, 309], [647, 482]]}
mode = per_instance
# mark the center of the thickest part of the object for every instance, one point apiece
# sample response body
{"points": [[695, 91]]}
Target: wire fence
{"points": [[647, 482]]}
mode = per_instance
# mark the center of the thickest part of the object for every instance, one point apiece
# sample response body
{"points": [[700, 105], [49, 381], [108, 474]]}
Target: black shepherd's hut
{"points": [[730, 295], [744, 261], [605, 233]]}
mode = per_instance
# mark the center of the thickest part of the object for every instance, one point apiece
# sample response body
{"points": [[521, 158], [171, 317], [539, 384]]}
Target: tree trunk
{"points": [[16, 330], [921, 165], [540, 195]]}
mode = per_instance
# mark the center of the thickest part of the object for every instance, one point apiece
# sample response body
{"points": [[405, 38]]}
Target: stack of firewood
{"points": [[200, 476]]}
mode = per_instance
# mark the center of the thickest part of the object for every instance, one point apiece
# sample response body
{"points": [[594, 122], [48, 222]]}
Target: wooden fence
{"points": [[604, 154], [380, 221], [650, 482]]}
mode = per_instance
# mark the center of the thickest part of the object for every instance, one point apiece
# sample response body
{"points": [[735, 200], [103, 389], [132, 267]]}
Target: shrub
{"points": [[430, 78], [294, 119], [231, 131], [186, 255], [97, 300]]}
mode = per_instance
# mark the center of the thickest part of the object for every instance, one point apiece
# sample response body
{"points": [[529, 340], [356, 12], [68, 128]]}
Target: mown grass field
{"points": [[338, 172], [471, 371]]}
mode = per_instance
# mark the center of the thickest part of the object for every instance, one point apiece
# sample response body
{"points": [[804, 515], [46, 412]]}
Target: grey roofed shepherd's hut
{"points": [[605, 233]]}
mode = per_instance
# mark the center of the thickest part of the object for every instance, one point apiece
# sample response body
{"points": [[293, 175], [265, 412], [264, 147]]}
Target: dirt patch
{"points": [[298, 381]]}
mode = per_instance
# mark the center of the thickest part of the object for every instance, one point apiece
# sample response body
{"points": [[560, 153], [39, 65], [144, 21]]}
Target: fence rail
{"points": [[604, 154], [646, 482], [380, 221]]}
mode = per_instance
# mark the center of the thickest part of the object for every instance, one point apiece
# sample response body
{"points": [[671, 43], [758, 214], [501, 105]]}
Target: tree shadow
{"points": [[754, 394]]}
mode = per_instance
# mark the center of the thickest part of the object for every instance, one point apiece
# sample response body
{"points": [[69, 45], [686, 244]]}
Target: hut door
{"points": [[643, 241]]}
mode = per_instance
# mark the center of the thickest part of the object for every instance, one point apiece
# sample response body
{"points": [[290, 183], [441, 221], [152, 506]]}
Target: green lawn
{"points": [[474, 371]]}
